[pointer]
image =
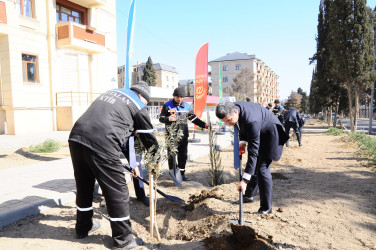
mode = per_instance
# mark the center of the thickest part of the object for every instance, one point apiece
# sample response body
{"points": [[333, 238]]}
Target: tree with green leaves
{"points": [[149, 75], [304, 101]]}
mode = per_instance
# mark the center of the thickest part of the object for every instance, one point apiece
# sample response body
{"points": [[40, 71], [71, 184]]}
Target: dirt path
{"points": [[323, 198]]}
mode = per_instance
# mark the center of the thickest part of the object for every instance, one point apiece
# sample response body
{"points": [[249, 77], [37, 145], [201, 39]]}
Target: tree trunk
{"points": [[356, 115], [348, 88]]}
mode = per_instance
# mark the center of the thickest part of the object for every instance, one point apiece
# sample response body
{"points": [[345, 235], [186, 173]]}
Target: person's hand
{"points": [[172, 118], [136, 172], [242, 148], [206, 126], [242, 186]]}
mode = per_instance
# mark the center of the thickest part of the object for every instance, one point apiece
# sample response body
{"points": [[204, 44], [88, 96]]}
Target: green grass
{"points": [[334, 131], [48, 146], [366, 144]]}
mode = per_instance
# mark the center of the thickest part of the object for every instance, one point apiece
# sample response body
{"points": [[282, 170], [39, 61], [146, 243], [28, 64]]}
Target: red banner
{"points": [[201, 80]]}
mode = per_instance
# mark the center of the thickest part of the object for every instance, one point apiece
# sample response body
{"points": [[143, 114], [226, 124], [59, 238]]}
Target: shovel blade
{"points": [[237, 222], [176, 176]]}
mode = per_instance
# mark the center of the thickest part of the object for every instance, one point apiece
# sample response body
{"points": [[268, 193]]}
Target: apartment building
{"points": [[56, 57], [263, 82]]}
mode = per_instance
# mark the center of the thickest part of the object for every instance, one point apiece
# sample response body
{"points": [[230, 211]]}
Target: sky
{"points": [[280, 33]]}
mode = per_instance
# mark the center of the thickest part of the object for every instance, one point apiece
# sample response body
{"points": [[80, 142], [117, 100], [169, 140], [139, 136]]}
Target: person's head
{"points": [[247, 99], [179, 94], [142, 89], [270, 105], [227, 113], [276, 103]]}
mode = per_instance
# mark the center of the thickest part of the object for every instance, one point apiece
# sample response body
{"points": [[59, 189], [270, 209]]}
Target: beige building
{"points": [[56, 56], [263, 82]]}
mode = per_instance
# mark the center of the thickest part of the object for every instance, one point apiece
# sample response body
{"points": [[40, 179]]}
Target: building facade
{"points": [[56, 57], [263, 82]]}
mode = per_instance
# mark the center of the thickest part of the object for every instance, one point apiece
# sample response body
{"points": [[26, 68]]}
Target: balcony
{"points": [[80, 37], [89, 3]]}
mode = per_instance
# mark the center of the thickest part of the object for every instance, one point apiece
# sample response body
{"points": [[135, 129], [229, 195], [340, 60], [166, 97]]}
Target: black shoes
{"points": [[96, 225], [300, 145], [144, 200], [185, 178], [260, 211], [246, 200], [135, 242]]}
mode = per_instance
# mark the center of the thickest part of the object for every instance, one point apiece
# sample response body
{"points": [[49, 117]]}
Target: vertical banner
{"points": [[220, 86], [201, 80], [131, 16]]}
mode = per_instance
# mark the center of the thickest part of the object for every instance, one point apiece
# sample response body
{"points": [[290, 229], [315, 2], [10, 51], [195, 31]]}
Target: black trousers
{"points": [[181, 155], [88, 167], [293, 125], [261, 180]]}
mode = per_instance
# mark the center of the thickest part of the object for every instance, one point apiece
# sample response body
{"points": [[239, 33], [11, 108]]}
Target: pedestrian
{"points": [[177, 110], [278, 110], [269, 107], [95, 145], [265, 136], [301, 124], [292, 119]]}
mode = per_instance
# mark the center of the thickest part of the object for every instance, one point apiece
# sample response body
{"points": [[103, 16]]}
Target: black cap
{"points": [[179, 92], [143, 89], [276, 101]]}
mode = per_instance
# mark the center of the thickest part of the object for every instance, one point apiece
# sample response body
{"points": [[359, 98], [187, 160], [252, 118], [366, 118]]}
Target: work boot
{"points": [[184, 177], [135, 242], [96, 225]]}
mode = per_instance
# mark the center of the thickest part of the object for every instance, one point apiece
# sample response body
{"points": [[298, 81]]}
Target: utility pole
{"points": [[372, 91]]}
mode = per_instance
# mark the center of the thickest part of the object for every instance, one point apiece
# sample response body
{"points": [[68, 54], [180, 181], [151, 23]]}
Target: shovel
{"points": [[170, 197], [238, 164], [175, 173]]}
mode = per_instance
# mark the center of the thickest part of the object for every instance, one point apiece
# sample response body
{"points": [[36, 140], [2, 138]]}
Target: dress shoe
{"points": [[246, 200], [144, 200], [135, 242], [94, 227], [269, 211], [300, 145]]}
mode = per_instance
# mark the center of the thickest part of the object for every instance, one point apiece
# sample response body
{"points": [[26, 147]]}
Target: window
{"points": [[66, 14], [225, 67], [237, 67], [27, 8], [30, 68], [225, 79], [166, 78]]}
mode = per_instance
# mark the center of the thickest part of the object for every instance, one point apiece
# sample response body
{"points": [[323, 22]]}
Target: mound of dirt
{"points": [[242, 237]]}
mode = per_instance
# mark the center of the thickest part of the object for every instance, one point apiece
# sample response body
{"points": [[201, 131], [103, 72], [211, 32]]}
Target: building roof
{"points": [[159, 66], [234, 57]]}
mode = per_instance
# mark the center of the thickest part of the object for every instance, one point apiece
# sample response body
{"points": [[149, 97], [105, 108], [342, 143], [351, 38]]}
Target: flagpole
{"points": [[131, 17]]}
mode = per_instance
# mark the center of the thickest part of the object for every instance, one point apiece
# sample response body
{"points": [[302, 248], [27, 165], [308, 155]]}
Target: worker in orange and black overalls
{"points": [[176, 110]]}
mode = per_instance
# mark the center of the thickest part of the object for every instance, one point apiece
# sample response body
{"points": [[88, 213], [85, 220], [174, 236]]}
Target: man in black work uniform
{"points": [[183, 112], [292, 120], [265, 136], [95, 144], [278, 110]]}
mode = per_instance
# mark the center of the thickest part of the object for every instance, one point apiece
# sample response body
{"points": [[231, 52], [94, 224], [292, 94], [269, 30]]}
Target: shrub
{"points": [[366, 144], [334, 131], [48, 146]]}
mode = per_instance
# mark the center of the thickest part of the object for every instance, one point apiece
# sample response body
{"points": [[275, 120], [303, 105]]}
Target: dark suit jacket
{"points": [[263, 131], [293, 116]]}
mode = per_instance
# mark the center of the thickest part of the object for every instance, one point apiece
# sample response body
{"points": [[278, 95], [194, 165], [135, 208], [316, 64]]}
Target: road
{"points": [[363, 124]]}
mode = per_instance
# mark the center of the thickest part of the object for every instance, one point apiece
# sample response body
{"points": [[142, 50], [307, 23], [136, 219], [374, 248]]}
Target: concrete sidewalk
{"points": [[31, 189]]}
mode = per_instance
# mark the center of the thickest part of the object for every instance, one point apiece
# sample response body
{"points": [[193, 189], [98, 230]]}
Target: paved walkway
{"points": [[31, 189]]}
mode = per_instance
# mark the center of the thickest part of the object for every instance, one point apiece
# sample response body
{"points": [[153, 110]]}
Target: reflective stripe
{"points": [[84, 209], [182, 111], [146, 131], [119, 219], [194, 119], [182, 170]]}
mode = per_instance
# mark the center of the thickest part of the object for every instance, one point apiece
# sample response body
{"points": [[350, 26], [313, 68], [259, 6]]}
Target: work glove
{"points": [[242, 148], [206, 126]]}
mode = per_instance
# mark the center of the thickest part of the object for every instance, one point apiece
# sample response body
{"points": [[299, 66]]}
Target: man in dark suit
{"points": [[292, 120], [265, 136]]}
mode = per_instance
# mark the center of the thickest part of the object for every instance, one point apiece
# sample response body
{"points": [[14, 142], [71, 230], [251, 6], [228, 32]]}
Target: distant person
{"points": [[183, 112], [95, 144], [269, 106], [293, 120], [301, 124], [247, 99], [278, 110], [265, 136]]}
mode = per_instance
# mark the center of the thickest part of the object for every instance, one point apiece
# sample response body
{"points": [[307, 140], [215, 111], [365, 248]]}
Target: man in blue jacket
{"points": [[293, 120], [176, 110], [265, 136], [95, 144]]}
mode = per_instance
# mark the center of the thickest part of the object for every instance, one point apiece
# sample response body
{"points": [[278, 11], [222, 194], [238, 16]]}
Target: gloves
{"points": [[206, 126], [172, 118]]}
